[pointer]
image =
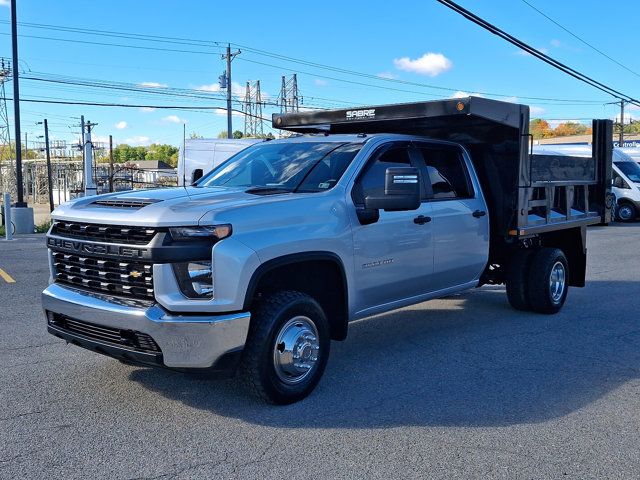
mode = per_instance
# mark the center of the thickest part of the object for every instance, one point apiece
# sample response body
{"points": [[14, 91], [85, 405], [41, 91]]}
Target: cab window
{"points": [[371, 182], [446, 171]]}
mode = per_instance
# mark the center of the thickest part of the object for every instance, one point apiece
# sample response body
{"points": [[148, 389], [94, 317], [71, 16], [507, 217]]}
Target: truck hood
{"points": [[156, 207]]}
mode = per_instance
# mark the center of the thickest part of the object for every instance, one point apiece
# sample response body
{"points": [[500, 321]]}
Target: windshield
{"points": [[293, 167], [630, 169]]}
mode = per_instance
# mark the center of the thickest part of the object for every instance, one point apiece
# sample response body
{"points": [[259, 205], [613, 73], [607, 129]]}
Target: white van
{"points": [[626, 186], [201, 155]]}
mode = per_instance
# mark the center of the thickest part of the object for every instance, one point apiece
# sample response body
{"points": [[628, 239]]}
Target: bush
{"points": [[43, 227]]}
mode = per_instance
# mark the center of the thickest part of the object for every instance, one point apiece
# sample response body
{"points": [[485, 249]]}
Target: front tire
{"points": [[287, 348], [548, 280]]}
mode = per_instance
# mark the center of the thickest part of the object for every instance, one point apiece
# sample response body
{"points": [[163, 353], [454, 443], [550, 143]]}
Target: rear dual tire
{"points": [[538, 280]]}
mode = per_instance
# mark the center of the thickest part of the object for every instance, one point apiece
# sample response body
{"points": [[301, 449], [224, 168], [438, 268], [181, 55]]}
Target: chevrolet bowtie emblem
{"points": [[135, 274]]}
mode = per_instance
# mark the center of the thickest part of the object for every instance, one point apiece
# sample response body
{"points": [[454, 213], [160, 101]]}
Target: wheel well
{"points": [[626, 201], [320, 277], [572, 242]]}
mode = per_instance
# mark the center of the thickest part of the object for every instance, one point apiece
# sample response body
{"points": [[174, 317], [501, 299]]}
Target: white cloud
{"points": [[5, 3], [387, 75], [100, 139], [430, 64], [173, 119], [632, 107], [147, 109], [152, 85], [320, 82], [236, 88], [536, 110], [555, 43], [140, 140], [121, 125]]}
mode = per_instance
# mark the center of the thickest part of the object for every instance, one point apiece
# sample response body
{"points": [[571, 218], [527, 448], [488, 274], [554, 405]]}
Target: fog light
{"points": [[195, 279]]}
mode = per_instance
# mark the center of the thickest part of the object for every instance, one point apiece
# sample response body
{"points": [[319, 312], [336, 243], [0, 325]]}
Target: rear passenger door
{"points": [[460, 217]]}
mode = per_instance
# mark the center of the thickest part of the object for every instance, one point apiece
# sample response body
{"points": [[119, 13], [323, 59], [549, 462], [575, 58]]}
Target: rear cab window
{"points": [[446, 171]]}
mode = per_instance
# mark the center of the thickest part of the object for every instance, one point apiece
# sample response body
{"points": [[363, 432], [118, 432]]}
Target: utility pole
{"points": [[621, 139], [229, 57], [48, 155], [89, 185], [82, 136], [110, 163], [20, 203]]}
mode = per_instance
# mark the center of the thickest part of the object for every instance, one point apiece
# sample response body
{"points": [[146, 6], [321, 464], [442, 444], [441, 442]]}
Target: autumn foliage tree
{"points": [[540, 128]]}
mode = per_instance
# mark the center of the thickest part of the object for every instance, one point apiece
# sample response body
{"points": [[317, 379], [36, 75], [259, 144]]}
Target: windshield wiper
{"points": [[267, 190]]}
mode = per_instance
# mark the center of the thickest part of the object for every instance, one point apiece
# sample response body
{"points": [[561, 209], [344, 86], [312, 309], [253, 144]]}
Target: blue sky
{"points": [[417, 41]]}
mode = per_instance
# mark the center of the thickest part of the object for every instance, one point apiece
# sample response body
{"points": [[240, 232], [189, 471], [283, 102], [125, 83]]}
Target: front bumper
{"points": [[186, 341]]}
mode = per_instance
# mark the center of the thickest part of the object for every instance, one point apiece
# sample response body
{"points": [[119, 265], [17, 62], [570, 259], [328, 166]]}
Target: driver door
{"points": [[393, 257]]}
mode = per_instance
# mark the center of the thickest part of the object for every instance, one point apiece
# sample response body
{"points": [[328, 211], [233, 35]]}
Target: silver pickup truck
{"points": [[265, 260]]}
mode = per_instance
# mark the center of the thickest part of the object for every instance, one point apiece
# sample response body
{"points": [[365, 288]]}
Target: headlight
{"points": [[200, 232], [195, 279]]}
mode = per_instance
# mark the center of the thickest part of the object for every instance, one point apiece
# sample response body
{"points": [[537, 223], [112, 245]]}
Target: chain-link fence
{"points": [[67, 179]]}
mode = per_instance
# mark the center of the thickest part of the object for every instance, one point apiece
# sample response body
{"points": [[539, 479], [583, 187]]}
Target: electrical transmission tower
{"points": [[289, 95], [7, 165], [253, 111]]}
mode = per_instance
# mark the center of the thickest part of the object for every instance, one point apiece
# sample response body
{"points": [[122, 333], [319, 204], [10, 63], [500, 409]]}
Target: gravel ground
{"points": [[463, 387]]}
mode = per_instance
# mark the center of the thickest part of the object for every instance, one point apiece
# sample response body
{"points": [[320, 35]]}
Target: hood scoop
{"points": [[125, 203]]}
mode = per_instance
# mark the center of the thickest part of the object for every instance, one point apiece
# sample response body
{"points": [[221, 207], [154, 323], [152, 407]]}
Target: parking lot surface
{"points": [[463, 387]]}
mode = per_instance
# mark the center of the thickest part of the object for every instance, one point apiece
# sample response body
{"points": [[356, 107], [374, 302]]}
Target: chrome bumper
{"points": [[186, 341]]}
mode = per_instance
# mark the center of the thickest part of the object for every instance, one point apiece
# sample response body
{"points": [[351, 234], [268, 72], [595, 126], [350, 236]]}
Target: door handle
{"points": [[479, 213], [421, 220]]}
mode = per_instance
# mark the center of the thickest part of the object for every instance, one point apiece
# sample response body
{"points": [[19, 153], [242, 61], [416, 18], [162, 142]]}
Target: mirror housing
{"points": [[401, 191], [196, 175]]}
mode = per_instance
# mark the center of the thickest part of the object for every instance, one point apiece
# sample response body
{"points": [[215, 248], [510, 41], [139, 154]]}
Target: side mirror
{"points": [[401, 191], [196, 175]]}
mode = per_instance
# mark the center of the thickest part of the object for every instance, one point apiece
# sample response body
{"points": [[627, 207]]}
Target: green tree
{"points": [[195, 135], [126, 153], [238, 134], [164, 152]]}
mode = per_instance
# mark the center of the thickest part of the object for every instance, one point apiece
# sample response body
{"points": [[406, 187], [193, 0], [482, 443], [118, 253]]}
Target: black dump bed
{"points": [[527, 194]]}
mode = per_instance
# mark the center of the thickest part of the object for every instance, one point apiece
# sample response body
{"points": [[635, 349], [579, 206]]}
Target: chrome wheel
{"points": [[295, 353], [557, 281]]}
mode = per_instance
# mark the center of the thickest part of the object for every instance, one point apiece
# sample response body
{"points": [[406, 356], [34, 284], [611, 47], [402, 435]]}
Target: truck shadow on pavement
{"points": [[468, 360]]}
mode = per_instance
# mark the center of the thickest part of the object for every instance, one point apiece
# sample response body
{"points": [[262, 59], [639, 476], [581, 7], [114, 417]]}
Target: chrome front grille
{"points": [[104, 233], [124, 278]]}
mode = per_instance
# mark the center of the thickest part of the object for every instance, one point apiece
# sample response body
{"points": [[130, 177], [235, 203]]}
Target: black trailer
{"points": [[534, 200]]}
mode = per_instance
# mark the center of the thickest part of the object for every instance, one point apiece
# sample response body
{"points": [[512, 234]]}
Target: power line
{"points": [[128, 105], [579, 38], [536, 53], [184, 41]]}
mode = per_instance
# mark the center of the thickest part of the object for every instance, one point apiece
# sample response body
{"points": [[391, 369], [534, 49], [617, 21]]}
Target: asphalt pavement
{"points": [[463, 387]]}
